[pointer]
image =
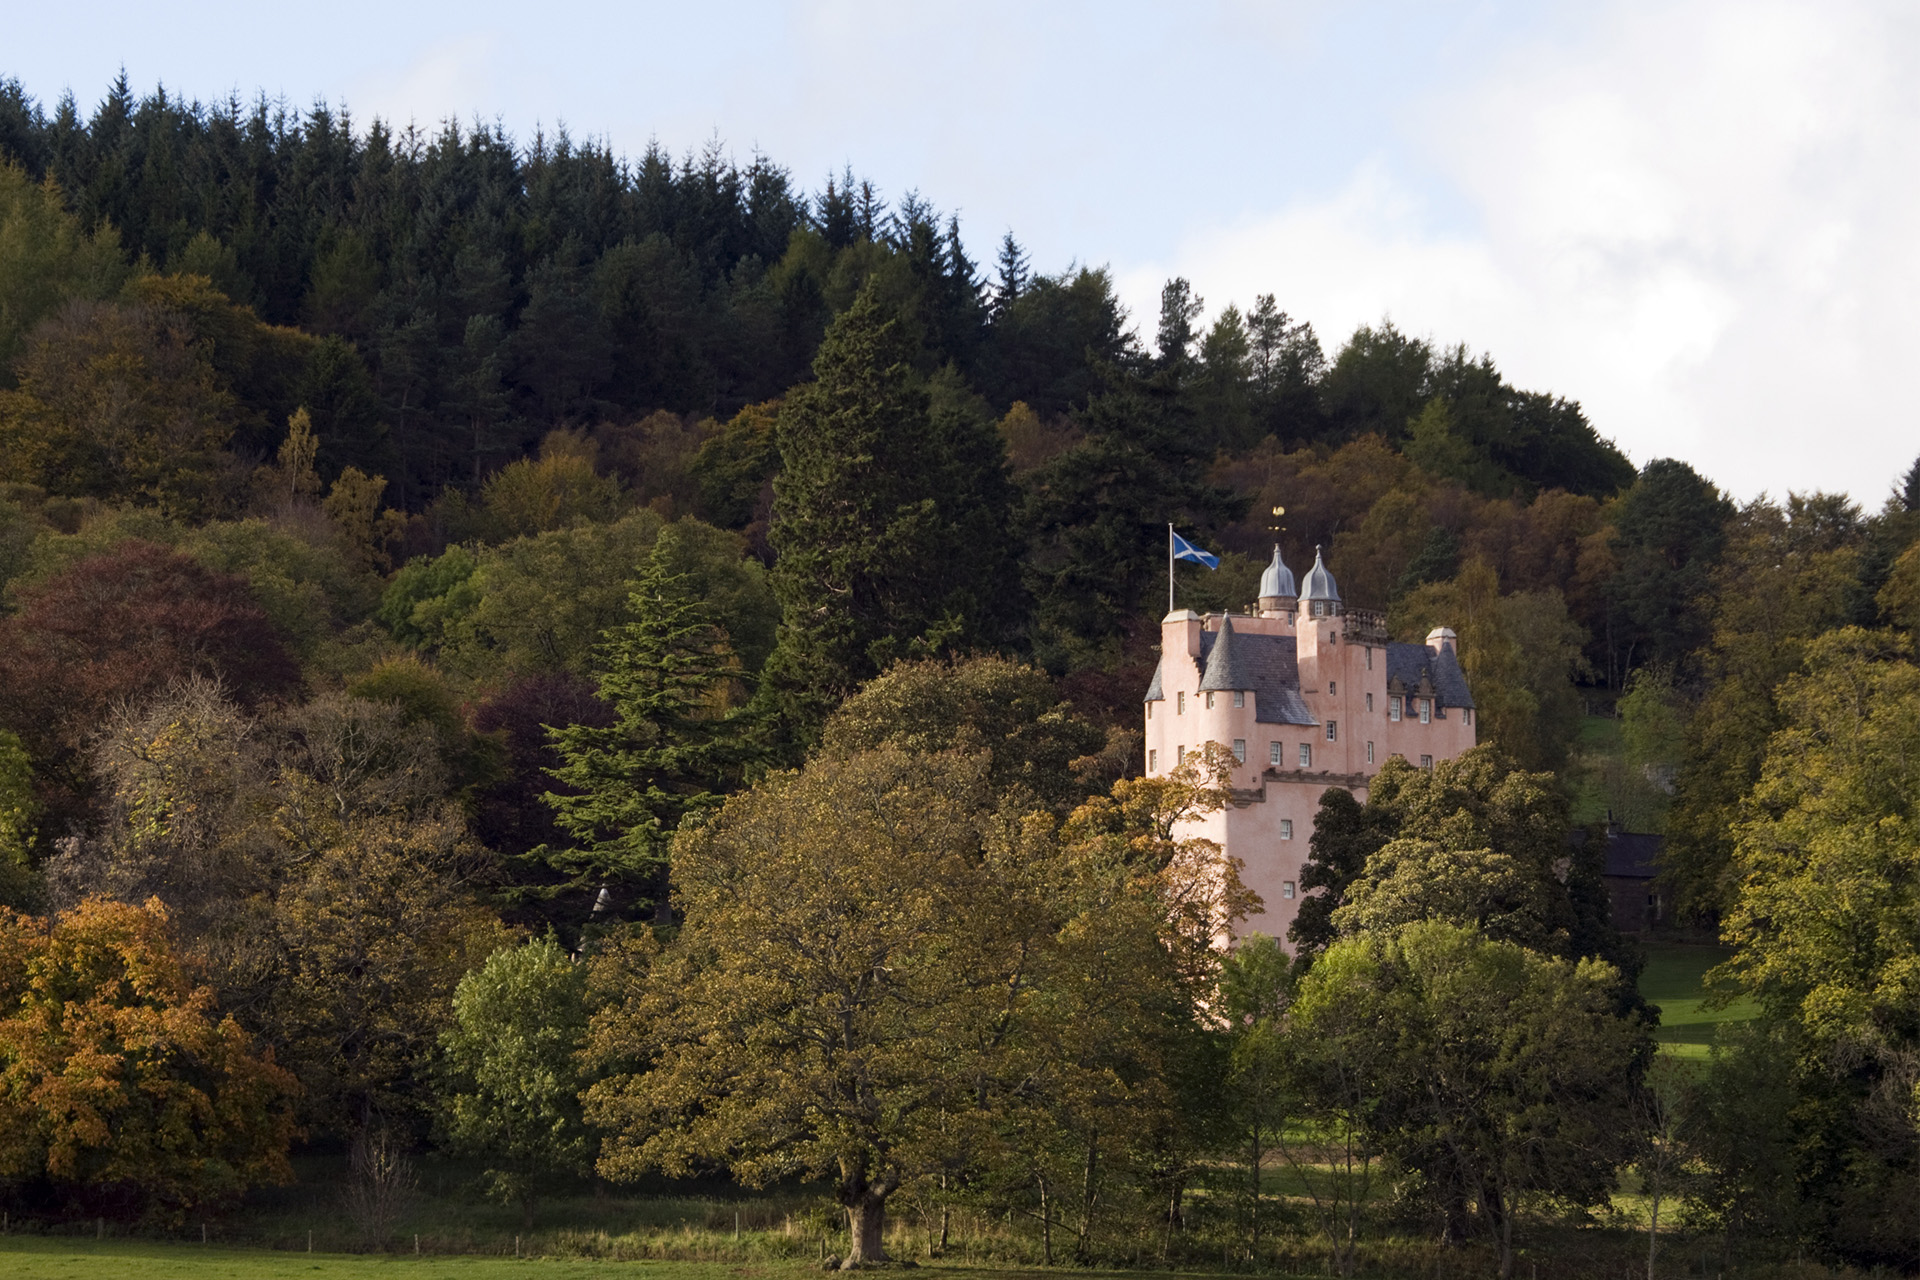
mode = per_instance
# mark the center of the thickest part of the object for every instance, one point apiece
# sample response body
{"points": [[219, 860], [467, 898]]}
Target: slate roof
{"points": [[1268, 664], [1630, 855], [1226, 664], [1633, 856], [1411, 663]]}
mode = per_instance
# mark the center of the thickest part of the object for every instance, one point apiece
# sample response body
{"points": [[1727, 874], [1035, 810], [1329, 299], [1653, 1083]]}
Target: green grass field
{"points": [[1673, 980], [43, 1258]]}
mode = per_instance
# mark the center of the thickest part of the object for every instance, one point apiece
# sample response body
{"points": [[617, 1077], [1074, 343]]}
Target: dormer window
{"points": [[1426, 711], [1393, 707]]}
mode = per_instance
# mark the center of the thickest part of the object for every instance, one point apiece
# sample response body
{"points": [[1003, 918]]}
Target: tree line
{"points": [[478, 612]]}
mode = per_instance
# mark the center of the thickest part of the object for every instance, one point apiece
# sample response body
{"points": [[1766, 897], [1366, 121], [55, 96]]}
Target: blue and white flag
{"points": [[1184, 550]]}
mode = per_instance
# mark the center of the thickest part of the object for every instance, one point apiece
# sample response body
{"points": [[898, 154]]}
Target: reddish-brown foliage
{"points": [[121, 626]]}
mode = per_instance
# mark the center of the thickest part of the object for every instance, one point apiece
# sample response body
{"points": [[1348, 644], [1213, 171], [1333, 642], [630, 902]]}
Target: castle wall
{"points": [[1343, 682]]}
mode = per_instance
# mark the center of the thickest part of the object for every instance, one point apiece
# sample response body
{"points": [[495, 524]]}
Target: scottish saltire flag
{"points": [[1184, 550]]}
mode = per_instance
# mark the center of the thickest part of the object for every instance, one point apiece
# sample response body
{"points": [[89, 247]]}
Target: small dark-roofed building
{"points": [[1630, 872]]}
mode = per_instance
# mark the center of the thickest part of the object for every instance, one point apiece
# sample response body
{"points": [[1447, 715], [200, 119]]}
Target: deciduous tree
{"points": [[119, 1081], [513, 1069]]}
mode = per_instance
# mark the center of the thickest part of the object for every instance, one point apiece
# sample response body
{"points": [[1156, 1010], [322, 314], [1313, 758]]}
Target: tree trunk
{"points": [[867, 1226], [1502, 1214], [1046, 1224], [1083, 1246], [1653, 1228]]}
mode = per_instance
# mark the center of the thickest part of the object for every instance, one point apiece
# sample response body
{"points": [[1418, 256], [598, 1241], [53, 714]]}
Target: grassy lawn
{"points": [[1672, 980], [50, 1258]]}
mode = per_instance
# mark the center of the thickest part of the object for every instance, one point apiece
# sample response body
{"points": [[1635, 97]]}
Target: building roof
{"points": [[1632, 855], [1411, 664], [1269, 665], [1277, 580], [1226, 667], [1320, 584]]}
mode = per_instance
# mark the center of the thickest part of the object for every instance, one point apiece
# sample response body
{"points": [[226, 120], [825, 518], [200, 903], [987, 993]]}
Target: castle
{"points": [[1307, 695]]}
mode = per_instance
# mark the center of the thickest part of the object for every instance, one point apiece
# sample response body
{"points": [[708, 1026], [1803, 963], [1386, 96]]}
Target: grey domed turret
{"points": [[1277, 591], [1322, 594]]}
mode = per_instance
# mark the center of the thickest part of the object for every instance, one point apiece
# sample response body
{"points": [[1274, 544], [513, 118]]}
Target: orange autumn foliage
{"points": [[119, 1082]]}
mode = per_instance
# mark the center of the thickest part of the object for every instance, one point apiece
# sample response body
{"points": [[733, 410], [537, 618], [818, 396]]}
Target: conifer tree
{"points": [[673, 745], [1014, 274], [890, 522]]}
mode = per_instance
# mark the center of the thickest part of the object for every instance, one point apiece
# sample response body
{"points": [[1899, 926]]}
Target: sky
{"points": [[1700, 219]]}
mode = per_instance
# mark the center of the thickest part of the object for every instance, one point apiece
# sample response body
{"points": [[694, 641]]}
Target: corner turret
{"points": [[1277, 593], [1322, 596]]}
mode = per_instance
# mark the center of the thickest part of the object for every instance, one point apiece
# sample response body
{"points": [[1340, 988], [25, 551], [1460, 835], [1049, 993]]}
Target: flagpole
{"points": [[1169, 566]]}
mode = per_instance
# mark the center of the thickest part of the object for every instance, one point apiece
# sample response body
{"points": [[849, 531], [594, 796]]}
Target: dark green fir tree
{"points": [[673, 749], [891, 520]]}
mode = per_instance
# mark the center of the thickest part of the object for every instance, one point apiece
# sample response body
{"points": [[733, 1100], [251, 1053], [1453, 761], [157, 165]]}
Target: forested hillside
{"points": [[415, 542]]}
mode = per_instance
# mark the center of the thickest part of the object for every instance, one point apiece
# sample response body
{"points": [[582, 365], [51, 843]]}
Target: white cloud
{"points": [[1695, 218], [447, 79]]}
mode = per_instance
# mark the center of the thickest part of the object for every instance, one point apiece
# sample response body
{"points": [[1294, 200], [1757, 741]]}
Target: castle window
{"points": [[1239, 698], [1240, 750], [1306, 755], [1179, 755], [1426, 762], [1393, 707], [1333, 731], [1369, 753], [1286, 888], [1333, 688], [1286, 828], [1273, 754], [1467, 712], [1426, 711], [1180, 706], [1369, 657], [1369, 702], [1153, 759], [1209, 702], [1149, 711]]}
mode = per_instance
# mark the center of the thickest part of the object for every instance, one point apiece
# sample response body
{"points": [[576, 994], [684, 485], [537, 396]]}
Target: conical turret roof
{"points": [[1227, 667]]}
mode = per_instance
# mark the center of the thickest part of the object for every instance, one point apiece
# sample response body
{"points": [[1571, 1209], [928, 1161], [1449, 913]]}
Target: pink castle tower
{"points": [[1307, 695]]}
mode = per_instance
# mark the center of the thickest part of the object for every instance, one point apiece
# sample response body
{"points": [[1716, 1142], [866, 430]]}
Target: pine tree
{"points": [[673, 746], [1180, 307], [890, 521], [1014, 270]]}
